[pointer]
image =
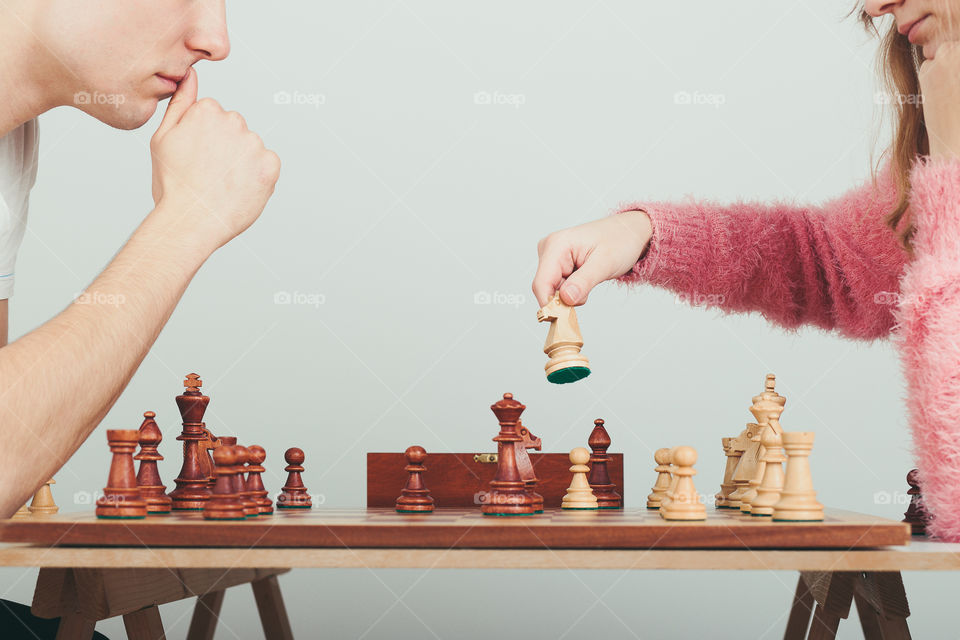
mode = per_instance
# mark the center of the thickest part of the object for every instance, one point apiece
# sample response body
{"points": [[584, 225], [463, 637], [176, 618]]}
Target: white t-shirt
{"points": [[18, 172]]}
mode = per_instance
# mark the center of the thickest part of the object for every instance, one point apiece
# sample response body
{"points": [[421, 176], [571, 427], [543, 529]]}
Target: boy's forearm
{"points": [[59, 381], [4, 322]]}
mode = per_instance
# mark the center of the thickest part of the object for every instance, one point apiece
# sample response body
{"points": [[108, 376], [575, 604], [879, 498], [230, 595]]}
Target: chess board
{"points": [[461, 528]]}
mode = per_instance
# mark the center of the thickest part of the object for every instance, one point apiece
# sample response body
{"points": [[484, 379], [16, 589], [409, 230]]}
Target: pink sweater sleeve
{"points": [[928, 334], [835, 265]]}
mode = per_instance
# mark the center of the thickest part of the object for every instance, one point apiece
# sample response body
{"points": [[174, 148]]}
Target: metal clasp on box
{"points": [[486, 458]]}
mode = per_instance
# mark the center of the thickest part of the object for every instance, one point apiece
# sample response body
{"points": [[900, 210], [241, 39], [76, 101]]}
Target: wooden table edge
{"points": [[924, 556]]}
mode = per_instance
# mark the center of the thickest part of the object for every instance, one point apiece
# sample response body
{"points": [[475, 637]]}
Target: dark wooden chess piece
{"points": [[206, 446], [508, 495], [525, 465], [224, 503], [193, 489], [250, 506], [916, 515], [121, 497], [255, 487], [415, 497], [148, 477], [294, 494], [599, 478]]}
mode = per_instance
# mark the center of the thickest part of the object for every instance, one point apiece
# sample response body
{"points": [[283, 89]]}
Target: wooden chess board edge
{"points": [[459, 530]]}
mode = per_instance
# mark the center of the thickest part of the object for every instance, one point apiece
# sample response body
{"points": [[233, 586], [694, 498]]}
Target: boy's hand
{"points": [[211, 173]]}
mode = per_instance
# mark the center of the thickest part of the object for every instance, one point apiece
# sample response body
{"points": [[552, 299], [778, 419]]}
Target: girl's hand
{"points": [[940, 84], [577, 259]]}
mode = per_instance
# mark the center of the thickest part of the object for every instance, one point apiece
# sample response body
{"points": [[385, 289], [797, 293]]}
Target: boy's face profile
{"points": [[110, 55]]}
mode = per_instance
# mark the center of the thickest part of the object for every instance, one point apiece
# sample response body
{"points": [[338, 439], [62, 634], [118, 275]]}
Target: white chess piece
{"points": [[660, 487], [42, 502], [798, 500], [674, 478], [772, 484], [685, 503], [579, 494]]}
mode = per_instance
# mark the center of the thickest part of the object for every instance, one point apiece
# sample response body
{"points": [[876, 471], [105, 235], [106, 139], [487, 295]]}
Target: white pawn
{"points": [[685, 502], [660, 487], [43, 500], [674, 478], [579, 494], [798, 500]]}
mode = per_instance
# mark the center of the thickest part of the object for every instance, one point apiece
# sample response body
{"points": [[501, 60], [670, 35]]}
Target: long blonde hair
{"points": [[898, 64]]}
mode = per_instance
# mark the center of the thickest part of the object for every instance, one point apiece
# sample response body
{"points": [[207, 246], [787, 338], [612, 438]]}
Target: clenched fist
{"points": [[211, 174]]}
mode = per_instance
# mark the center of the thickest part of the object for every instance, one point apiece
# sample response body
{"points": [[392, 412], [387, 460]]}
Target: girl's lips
{"points": [[912, 33]]}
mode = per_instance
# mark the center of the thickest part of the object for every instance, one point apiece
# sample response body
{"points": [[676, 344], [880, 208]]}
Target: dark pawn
{"points": [[415, 497], [225, 504], [250, 506], [148, 477], [294, 495], [121, 497], [916, 515], [599, 478], [255, 488]]}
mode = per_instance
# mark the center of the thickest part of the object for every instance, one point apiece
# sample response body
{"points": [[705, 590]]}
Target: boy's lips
{"points": [[171, 81]]}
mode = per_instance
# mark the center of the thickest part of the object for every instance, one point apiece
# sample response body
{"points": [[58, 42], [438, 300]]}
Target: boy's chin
{"points": [[127, 116]]}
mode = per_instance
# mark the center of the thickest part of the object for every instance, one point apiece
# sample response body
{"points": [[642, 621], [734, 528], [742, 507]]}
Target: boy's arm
{"points": [[4, 322], [212, 178], [58, 381]]}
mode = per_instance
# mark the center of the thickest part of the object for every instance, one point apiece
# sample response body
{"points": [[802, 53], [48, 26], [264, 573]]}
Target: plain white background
{"points": [[426, 147]]}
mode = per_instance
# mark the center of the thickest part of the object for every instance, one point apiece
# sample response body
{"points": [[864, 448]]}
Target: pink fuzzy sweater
{"points": [[839, 267]]}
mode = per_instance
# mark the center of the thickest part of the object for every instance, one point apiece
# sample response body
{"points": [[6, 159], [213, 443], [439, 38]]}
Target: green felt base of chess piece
{"points": [[580, 508], [570, 374], [293, 506], [410, 511], [121, 517], [787, 520], [612, 508]]}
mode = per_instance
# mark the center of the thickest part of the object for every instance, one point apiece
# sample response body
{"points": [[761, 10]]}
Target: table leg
{"points": [[144, 624], [882, 605], [273, 614], [869, 617], [74, 626], [799, 620], [206, 613], [824, 625], [879, 595]]}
